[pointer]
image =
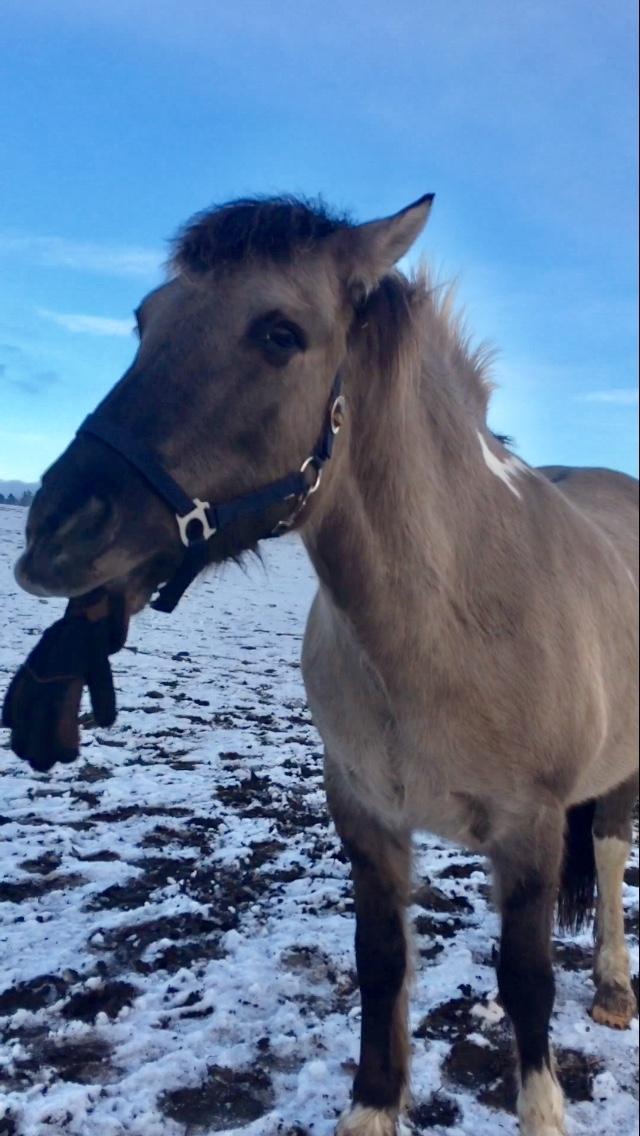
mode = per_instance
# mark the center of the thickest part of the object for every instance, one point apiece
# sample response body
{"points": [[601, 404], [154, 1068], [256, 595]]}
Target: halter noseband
{"points": [[198, 521]]}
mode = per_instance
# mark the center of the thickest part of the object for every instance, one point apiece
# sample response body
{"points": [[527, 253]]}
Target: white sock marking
{"points": [[367, 1122], [612, 956], [541, 1106]]}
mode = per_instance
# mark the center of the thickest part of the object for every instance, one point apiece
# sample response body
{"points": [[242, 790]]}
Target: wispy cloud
{"points": [[26, 377], [34, 382], [82, 256], [616, 396], [88, 325]]}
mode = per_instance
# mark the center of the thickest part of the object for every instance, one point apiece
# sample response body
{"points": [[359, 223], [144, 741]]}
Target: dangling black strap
{"points": [[196, 557]]}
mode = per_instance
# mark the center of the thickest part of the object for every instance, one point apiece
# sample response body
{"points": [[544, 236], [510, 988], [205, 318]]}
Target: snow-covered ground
{"points": [[175, 916]]}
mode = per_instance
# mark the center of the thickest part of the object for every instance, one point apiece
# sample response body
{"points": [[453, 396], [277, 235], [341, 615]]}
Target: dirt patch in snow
{"points": [[228, 1098]]}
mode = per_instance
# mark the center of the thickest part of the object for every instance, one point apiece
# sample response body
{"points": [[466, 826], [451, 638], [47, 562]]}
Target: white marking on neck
{"points": [[507, 470]]}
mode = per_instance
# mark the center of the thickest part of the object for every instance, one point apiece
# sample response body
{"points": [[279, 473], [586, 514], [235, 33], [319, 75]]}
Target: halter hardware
{"points": [[337, 413], [198, 515], [199, 521], [312, 463]]}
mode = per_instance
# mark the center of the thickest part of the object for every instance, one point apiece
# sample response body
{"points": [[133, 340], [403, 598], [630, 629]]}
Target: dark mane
{"points": [[269, 228]]}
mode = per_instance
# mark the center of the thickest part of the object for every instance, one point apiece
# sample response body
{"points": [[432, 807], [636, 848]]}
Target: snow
{"points": [[176, 923]]}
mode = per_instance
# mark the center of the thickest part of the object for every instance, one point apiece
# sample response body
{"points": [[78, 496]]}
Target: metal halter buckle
{"points": [[336, 416], [315, 485], [284, 525], [199, 514]]}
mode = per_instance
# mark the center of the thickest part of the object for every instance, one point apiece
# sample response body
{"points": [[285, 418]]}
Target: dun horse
{"points": [[470, 655]]}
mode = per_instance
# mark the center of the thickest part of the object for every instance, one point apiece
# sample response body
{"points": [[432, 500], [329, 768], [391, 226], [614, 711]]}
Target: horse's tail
{"points": [[577, 884]]}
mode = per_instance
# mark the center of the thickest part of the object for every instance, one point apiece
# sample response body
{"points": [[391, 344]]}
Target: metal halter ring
{"points": [[199, 514], [312, 461], [336, 416]]}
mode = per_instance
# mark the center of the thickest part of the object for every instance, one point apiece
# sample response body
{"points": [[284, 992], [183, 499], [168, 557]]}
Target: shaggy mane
{"points": [[416, 331]]}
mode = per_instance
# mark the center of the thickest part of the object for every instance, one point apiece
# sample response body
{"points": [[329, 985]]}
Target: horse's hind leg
{"points": [[527, 871], [614, 1003], [381, 865]]}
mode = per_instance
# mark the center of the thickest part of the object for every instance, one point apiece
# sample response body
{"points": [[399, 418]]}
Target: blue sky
{"points": [[119, 120]]}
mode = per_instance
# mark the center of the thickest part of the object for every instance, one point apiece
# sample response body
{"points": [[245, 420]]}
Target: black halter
{"points": [[198, 521]]}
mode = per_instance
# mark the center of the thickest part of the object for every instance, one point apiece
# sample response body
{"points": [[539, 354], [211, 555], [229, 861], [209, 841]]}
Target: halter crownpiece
{"points": [[199, 521]]}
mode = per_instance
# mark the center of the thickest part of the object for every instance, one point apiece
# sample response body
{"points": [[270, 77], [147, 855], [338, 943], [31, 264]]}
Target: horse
{"points": [[469, 658]]}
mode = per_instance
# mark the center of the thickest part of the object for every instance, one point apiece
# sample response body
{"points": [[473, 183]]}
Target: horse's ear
{"points": [[369, 251]]}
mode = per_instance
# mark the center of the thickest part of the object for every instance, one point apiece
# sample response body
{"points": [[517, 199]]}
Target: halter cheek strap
{"points": [[199, 521]]}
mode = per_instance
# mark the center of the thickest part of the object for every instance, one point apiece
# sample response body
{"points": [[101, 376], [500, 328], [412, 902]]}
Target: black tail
{"points": [[577, 885]]}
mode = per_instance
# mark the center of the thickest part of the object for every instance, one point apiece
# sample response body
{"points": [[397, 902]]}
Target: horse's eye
{"points": [[285, 337], [278, 339]]}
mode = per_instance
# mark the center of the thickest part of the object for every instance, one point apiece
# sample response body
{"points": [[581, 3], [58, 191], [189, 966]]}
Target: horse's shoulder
{"points": [[592, 481], [608, 498]]}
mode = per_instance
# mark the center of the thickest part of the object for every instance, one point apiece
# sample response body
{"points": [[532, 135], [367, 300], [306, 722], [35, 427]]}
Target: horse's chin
{"points": [[137, 581], [140, 584], [50, 580]]}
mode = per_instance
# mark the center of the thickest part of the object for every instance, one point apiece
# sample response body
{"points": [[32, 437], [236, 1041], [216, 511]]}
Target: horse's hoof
{"points": [[614, 1006], [368, 1122]]}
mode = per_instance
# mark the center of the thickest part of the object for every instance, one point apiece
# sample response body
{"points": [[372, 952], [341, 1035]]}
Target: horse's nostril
{"points": [[87, 522], [64, 545]]}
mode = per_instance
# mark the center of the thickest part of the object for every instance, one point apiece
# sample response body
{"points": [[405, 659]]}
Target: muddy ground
{"points": [[176, 919]]}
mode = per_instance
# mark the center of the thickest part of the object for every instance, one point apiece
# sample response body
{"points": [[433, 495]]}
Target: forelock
{"points": [[274, 229]]}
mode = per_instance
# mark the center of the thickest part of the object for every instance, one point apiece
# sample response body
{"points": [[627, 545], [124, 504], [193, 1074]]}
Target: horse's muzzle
{"points": [[66, 551], [89, 549]]}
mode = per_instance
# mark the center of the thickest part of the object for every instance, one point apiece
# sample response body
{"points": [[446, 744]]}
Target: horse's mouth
{"points": [[71, 552], [45, 575], [143, 582]]}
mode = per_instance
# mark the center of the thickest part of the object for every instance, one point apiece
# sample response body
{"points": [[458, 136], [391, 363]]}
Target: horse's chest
{"points": [[351, 711], [377, 751], [365, 740], [358, 732]]}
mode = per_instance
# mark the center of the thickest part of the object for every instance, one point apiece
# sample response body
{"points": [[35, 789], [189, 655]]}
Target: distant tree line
{"points": [[25, 498]]}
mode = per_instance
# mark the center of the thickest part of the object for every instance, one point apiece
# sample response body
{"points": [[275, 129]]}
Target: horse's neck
{"points": [[386, 542]]}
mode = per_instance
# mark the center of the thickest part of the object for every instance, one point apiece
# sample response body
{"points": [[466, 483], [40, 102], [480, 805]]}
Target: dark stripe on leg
{"points": [[525, 975], [380, 877], [381, 963]]}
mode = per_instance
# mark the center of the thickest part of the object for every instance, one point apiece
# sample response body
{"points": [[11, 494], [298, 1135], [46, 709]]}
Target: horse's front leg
{"points": [[381, 867], [527, 872]]}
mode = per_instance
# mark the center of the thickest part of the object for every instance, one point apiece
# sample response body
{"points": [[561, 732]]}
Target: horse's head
{"points": [[228, 390]]}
